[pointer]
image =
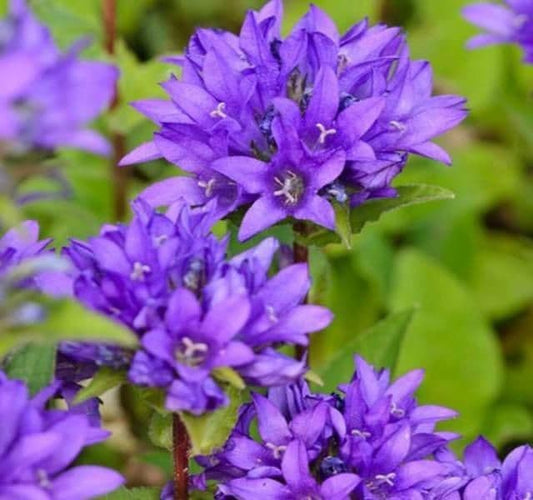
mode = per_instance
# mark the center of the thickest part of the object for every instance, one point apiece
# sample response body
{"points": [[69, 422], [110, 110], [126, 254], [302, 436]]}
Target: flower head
{"points": [[38, 446], [195, 310], [290, 124], [510, 23], [372, 442], [47, 97]]}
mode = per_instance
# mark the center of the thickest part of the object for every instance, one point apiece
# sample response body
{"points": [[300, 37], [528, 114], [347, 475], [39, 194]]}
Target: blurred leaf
{"points": [[503, 276], [104, 380], [507, 424], [380, 346], [160, 430], [229, 376], [34, 364], [449, 339], [210, 431], [133, 494]]}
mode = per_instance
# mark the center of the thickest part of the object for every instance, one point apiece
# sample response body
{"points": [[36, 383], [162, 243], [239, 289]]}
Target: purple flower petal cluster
{"points": [[38, 447], [195, 311], [483, 475], [47, 97], [291, 124], [371, 442], [509, 23]]}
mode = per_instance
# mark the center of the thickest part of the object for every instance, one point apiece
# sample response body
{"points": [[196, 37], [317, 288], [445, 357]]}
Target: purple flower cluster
{"points": [[38, 446], [372, 442], [291, 125], [196, 312], [510, 23], [46, 96]]}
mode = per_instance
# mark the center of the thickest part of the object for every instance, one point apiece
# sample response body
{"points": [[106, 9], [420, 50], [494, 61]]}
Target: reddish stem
{"points": [[119, 175], [181, 459]]}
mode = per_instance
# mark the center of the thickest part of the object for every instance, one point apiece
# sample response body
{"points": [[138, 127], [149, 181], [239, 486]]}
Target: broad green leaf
{"points": [[502, 276], [104, 380], [68, 320], [372, 210], [449, 339], [160, 430], [508, 423], [229, 376], [210, 431], [408, 195], [380, 346], [134, 494], [34, 364]]}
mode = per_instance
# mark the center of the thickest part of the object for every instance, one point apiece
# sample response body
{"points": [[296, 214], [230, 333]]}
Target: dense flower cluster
{"points": [[47, 97], [38, 446], [290, 125], [168, 279], [373, 442], [510, 23]]}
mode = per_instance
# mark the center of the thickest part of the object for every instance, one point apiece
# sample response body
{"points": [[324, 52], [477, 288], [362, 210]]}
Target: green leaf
{"points": [[210, 431], [408, 195], [380, 346], [508, 423], [134, 494], [160, 430], [104, 380], [372, 210], [229, 376], [343, 226], [34, 364], [449, 339]]}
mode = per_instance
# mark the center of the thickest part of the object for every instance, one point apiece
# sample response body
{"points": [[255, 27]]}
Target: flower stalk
{"points": [[181, 448]]}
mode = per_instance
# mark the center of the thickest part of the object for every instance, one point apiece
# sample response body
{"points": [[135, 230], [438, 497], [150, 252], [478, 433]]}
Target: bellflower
{"points": [[38, 446], [47, 97], [372, 441], [285, 126], [483, 475], [167, 278], [509, 23]]}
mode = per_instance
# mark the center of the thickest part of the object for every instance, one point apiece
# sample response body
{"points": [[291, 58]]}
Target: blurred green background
{"points": [[466, 265]]}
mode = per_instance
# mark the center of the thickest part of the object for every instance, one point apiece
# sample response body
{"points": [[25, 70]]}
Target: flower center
{"points": [[291, 187], [194, 277], [139, 271], [191, 353], [401, 127], [397, 412], [386, 478], [208, 186], [361, 434]]}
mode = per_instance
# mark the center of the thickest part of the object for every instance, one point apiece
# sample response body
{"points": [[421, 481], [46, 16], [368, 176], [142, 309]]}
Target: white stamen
{"points": [[277, 451], [220, 111], [397, 412], [208, 186], [159, 240], [139, 270], [398, 125], [271, 314], [361, 434], [386, 478], [42, 477], [291, 187], [324, 132], [191, 353]]}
